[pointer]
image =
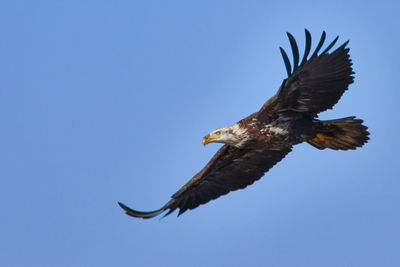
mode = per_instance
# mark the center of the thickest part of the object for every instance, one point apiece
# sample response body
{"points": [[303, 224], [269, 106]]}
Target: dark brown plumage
{"points": [[256, 143]]}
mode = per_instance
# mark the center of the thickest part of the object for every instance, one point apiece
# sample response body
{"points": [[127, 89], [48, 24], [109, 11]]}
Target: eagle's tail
{"points": [[343, 134]]}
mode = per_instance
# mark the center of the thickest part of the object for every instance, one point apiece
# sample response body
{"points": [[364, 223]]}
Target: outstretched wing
{"points": [[230, 169], [314, 85]]}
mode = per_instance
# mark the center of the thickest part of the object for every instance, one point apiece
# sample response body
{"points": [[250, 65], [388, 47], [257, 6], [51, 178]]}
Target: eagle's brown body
{"points": [[256, 143], [279, 132]]}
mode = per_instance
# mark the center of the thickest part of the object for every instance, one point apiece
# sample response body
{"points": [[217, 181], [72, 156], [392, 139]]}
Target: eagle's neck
{"points": [[238, 136]]}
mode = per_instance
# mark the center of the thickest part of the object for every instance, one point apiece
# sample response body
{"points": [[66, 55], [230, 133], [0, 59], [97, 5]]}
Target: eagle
{"points": [[256, 143]]}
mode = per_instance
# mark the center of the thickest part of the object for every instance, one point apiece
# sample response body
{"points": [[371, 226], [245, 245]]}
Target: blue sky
{"points": [[106, 101]]}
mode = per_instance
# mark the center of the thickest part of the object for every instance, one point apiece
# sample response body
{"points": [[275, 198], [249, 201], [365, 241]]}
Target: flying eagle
{"points": [[256, 143]]}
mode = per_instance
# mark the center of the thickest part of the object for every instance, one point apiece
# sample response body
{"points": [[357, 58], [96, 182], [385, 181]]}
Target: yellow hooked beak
{"points": [[209, 139]]}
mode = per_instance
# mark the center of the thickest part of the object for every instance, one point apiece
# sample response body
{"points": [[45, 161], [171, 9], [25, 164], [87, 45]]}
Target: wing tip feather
{"points": [[286, 61], [295, 51], [140, 214], [307, 48]]}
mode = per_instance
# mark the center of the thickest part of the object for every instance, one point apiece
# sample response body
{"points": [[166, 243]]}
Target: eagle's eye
{"points": [[217, 132]]}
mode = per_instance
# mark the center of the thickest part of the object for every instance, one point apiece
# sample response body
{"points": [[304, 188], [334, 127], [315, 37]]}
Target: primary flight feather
{"points": [[256, 143]]}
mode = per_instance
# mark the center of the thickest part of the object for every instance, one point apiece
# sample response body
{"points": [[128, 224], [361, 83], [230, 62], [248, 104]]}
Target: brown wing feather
{"points": [[316, 85], [230, 169]]}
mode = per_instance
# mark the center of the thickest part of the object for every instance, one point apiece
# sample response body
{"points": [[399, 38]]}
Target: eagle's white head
{"points": [[233, 135]]}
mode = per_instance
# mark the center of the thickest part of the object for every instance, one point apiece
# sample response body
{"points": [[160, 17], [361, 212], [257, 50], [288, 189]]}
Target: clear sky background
{"points": [[106, 101]]}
